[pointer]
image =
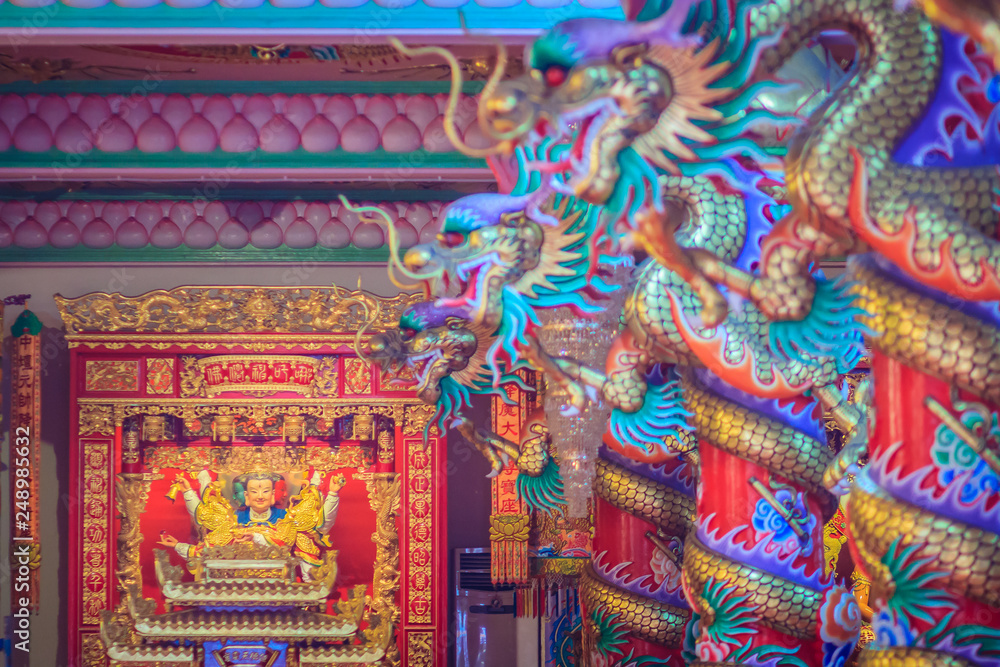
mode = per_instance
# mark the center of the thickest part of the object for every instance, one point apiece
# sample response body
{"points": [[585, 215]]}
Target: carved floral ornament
{"points": [[233, 310], [291, 420]]}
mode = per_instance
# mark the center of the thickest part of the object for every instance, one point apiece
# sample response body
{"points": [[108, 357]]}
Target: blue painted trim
{"points": [[368, 22]]}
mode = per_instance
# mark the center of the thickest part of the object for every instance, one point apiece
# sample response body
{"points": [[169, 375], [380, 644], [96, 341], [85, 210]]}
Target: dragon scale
{"points": [[918, 514], [911, 211]]}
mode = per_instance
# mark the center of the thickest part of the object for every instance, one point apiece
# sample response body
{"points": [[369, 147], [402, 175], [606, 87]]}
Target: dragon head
{"points": [[486, 241], [527, 245], [593, 76], [446, 352], [635, 96], [432, 342]]}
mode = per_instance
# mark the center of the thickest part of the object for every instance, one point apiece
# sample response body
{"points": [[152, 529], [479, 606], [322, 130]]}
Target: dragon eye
{"points": [[451, 239], [555, 75], [406, 333]]}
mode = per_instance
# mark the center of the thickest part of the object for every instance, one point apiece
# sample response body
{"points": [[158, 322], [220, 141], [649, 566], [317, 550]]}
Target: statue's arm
{"points": [[191, 501], [330, 507]]}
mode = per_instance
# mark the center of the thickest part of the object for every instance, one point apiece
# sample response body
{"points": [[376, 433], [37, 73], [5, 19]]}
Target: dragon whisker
{"points": [[456, 88], [377, 215]]}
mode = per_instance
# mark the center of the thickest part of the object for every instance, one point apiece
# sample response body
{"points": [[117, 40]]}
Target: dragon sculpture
{"points": [[864, 174], [742, 377], [727, 195], [446, 352], [638, 590]]}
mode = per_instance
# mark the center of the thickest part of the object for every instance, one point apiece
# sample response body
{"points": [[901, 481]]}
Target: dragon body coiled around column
{"points": [[918, 515], [849, 183], [899, 161], [729, 206], [923, 515], [767, 524]]}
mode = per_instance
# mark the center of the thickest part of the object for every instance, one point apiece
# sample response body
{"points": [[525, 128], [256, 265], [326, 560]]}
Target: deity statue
{"points": [[304, 526]]}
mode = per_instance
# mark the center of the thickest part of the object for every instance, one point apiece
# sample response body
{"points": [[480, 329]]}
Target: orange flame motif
{"points": [[744, 375], [898, 248]]}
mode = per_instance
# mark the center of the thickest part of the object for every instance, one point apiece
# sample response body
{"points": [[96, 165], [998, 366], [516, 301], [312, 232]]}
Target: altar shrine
{"points": [[230, 401]]}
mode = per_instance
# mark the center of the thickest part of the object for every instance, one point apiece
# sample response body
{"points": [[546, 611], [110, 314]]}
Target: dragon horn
{"points": [[456, 89], [369, 320], [375, 214]]}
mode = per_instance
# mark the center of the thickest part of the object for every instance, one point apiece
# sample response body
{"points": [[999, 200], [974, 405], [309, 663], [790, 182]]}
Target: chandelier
{"points": [[586, 339]]}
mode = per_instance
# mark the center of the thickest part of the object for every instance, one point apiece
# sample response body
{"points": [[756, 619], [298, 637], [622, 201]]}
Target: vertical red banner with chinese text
{"points": [[25, 434], [509, 519]]}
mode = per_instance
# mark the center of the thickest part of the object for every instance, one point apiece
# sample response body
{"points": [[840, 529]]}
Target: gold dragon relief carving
{"points": [[234, 310], [111, 375], [192, 378], [417, 418], [385, 497], [131, 494], [96, 420], [212, 342], [93, 651], [420, 648]]}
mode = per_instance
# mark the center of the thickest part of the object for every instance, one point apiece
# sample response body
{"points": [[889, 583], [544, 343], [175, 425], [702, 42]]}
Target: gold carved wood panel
{"points": [[160, 376], [237, 460], [234, 310], [112, 375], [419, 648], [171, 339], [96, 481], [357, 376], [93, 651]]}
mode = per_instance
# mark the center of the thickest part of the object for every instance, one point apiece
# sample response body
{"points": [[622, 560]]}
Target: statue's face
{"points": [[260, 495]]}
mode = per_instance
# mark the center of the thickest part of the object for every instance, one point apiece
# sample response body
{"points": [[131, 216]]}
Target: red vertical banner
{"points": [[25, 434], [424, 533], [510, 522]]}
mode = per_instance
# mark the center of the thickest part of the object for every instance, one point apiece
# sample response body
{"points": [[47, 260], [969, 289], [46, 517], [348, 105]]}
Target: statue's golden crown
{"points": [[259, 464]]}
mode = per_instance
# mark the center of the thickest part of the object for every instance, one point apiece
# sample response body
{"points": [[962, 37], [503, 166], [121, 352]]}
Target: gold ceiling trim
{"points": [[234, 310]]}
